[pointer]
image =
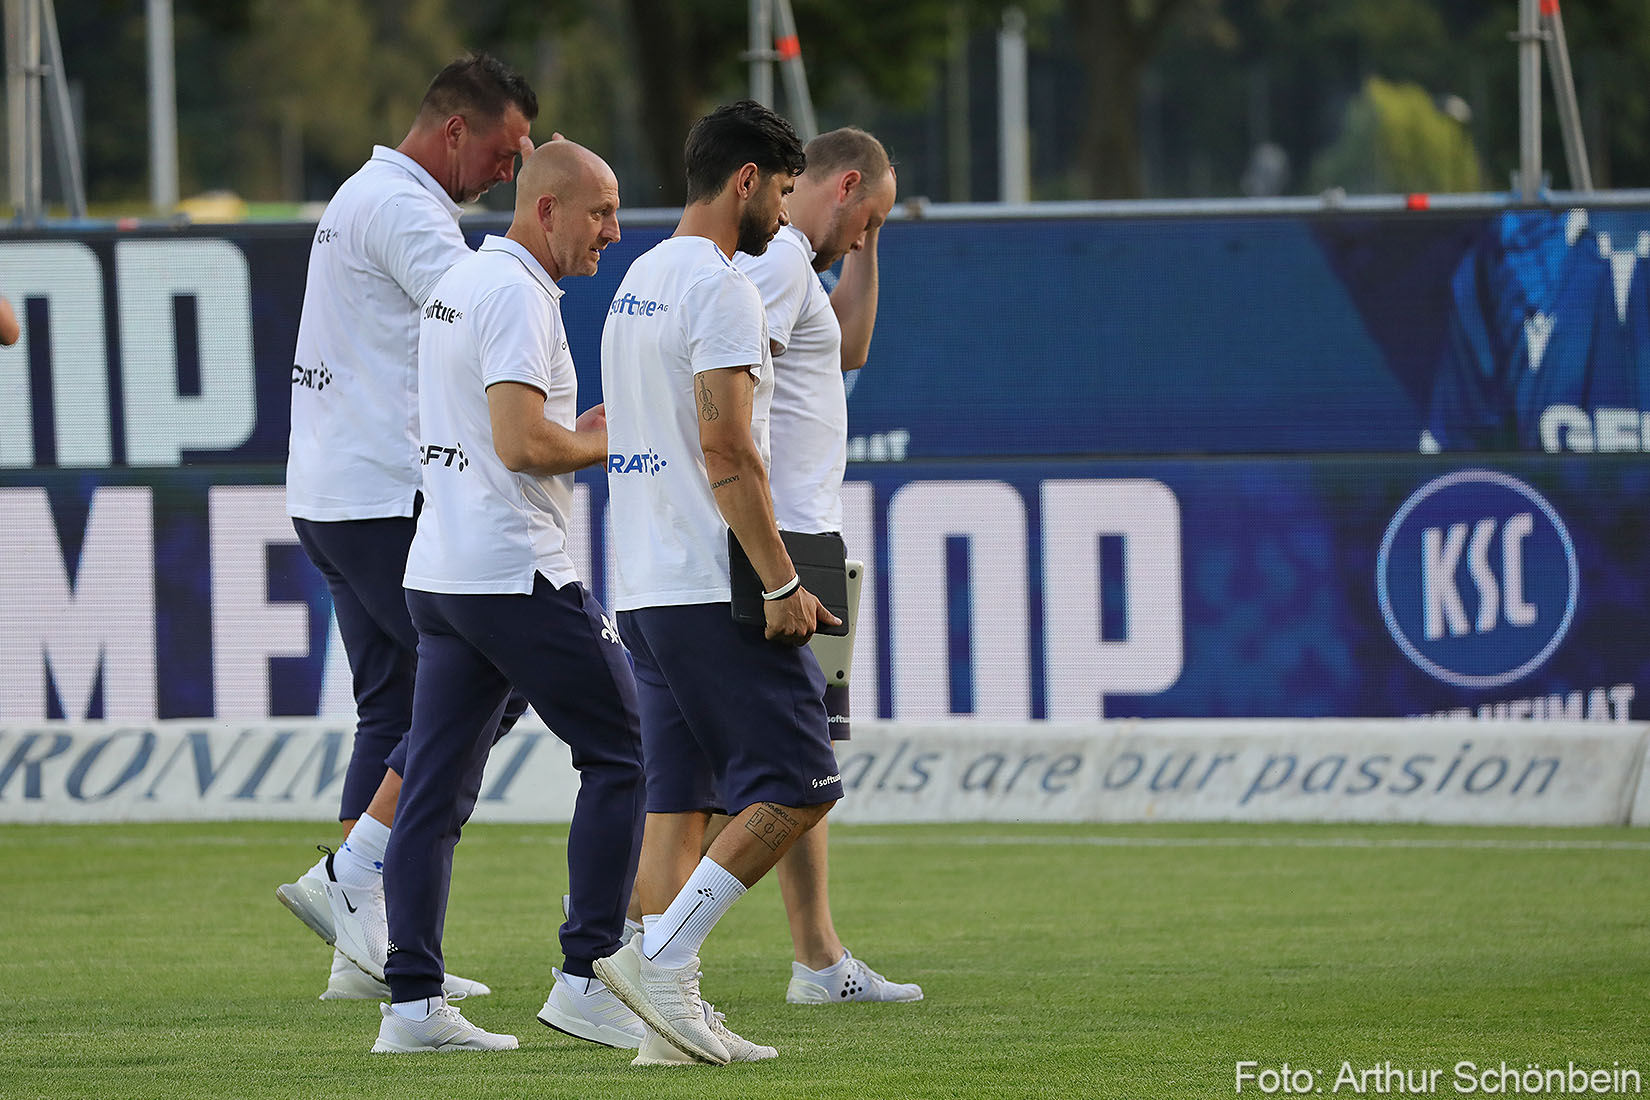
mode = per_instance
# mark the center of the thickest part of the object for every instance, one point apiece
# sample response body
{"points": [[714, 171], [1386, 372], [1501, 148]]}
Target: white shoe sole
{"points": [[390, 1044], [384, 1047], [291, 895], [684, 1060], [580, 1028], [801, 992]]}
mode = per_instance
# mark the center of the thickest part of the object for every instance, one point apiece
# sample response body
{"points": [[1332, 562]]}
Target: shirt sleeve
{"points": [[724, 323], [781, 276], [1473, 393], [516, 328], [414, 241]]}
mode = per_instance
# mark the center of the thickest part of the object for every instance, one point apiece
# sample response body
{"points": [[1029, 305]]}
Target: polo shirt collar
{"points": [[801, 240], [416, 170], [495, 243]]}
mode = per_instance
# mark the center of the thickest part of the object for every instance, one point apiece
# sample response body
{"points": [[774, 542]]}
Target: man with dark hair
{"points": [[836, 213], [732, 718], [352, 469], [478, 87], [720, 143]]}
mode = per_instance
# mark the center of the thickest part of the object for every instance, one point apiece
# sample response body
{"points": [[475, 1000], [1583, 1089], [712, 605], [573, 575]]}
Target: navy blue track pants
{"points": [[558, 649], [363, 562]]}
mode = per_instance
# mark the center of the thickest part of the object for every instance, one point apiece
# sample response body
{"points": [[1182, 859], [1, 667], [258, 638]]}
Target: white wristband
{"points": [[784, 590]]}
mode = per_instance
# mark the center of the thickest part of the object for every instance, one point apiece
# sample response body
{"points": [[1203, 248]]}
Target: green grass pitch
{"points": [[1059, 961]]}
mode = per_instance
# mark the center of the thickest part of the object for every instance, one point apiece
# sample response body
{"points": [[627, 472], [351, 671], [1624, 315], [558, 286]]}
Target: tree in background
{"points": [[1116, 41], [687, 59], [1396, 140], [334, 77], [283, 98], [1285, 71]]}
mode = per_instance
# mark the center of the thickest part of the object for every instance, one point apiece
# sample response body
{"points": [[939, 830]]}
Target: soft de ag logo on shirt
{"points": [[646, 462], [440, 311], [1477, 579], [628, 305]]}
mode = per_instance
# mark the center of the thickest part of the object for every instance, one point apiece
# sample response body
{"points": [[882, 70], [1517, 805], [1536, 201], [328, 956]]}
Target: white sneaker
{"points": [[849, 980], [631, 927], [312, 899], [307, 898], [599, 1017], [359, 925], [349, 982], [445, 1030], [454, 986], [656, 1052], [667, 1000]]}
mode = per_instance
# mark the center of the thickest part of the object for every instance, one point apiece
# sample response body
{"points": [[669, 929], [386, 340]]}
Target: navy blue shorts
{"points": [[836, 711], [729, 718]]}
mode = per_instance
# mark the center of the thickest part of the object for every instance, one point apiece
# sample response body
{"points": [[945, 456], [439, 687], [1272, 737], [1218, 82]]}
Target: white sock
{"points": [[584, 987], [681, 929], [649, 920], [360, 862], [833, 968], [418, 1010]]}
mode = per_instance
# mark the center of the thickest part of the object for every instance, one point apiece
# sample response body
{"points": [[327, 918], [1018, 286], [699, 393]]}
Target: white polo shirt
{"points": [[809, 424], [387, 235], [682, 308], [495, 317]]}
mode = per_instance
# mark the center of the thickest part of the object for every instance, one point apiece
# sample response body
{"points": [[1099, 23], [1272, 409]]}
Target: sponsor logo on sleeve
{"points": [[440, 311]]}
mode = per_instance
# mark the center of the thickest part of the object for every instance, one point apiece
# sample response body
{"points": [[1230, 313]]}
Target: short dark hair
{"points": [[480, 87], [733, 136]]}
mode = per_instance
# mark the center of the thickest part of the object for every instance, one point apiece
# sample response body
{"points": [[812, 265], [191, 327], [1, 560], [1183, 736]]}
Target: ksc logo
{"points": [[645, 463], [1477, 579]]}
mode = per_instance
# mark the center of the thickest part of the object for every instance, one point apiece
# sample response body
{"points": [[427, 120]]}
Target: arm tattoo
{"points": [[715, 485], [771, 825], [707, 407]]}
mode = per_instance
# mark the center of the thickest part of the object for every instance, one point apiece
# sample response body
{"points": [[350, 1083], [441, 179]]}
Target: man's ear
{"points": [[848, 184], [546, 210], [747, 179], [454, 130]]}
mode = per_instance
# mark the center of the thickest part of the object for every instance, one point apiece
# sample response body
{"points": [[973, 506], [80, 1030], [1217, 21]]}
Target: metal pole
{"points": [[958, 154], [789, 49], [16, 141], [761, 52], [68, 145], [23, 108], [1564, 92], [1529, 100], [163, 108], [1013, 127]]}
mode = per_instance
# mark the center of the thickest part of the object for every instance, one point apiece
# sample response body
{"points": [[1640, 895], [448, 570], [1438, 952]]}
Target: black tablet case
{"points": [[819, 561]]}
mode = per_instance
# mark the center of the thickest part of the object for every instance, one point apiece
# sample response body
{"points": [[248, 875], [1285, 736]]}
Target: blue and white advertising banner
{"points": [[1069, 590], [1491, 773], [1401, 333]]}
